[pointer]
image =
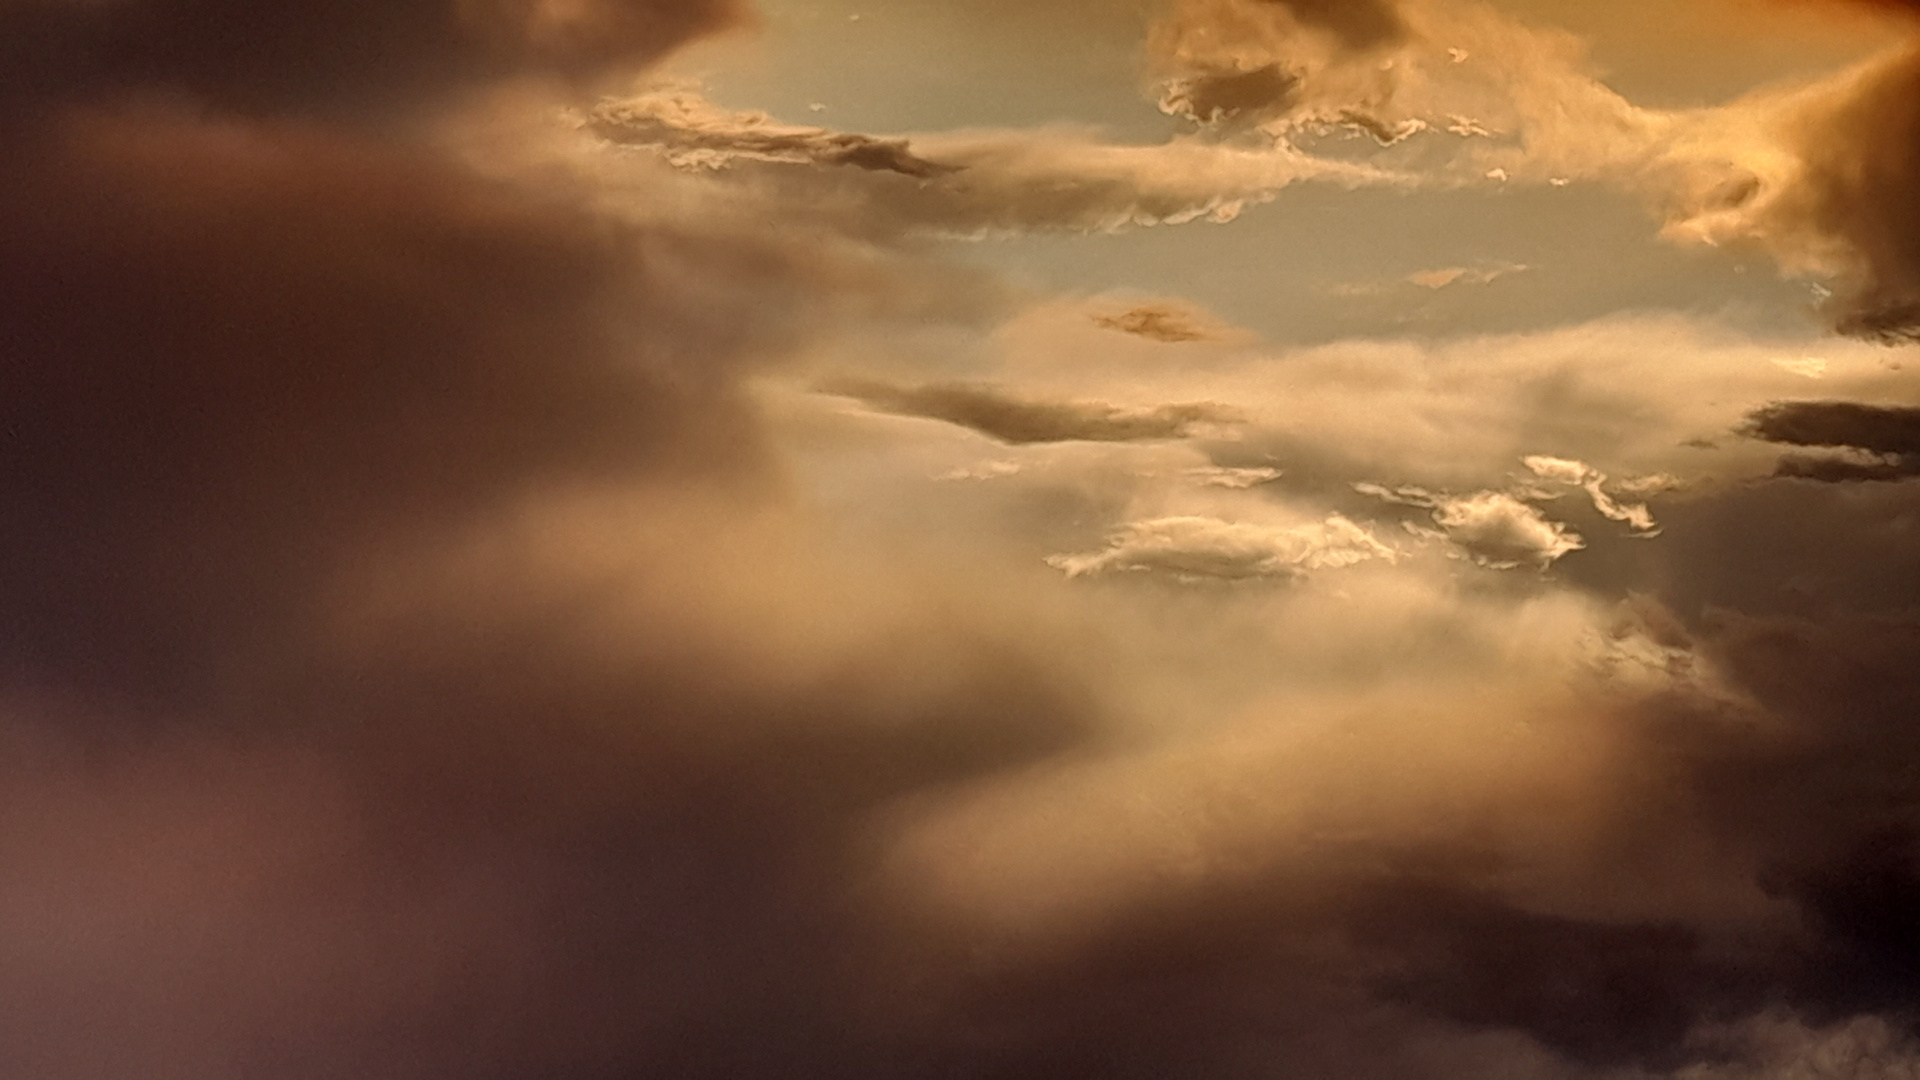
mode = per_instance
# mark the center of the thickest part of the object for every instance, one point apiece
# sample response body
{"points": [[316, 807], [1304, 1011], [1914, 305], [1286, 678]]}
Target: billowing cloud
{"points": [[1236, 478], [1882, 429], [1593, 482], [1470, 275], [1196, 548], [1832, 199], [1502, 532], [1815, 175], [1222, 97], [689, 130], [970, 182], [1000, 415], [424, 651], [365, 641]]}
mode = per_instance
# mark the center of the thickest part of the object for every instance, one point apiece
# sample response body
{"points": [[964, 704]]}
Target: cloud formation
{"points": [[690, 131], [1000, 415], [1196, 548], [421, 656], [1873, 442]]}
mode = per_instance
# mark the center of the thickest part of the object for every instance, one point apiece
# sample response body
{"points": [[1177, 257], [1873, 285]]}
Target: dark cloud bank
{"points": [[312, 767], [1875, 442]]}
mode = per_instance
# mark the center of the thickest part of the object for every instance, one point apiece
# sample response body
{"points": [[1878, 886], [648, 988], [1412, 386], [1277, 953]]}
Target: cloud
{"points": [[316, 54], [1878, 428], [373, 692], [1501, 532], [1814, 174], [1237, 479], [690, 131], [1363, 25], [419, 656], [1454, 275], [1221, 97], [233, 296], [1243, 64], [968, 183], [999, 415], [1196, 548], [1831, 199], [1593, 482], [1167, 322]]}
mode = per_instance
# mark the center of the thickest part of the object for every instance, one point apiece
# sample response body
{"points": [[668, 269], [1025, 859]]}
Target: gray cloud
{"points": [[1000, 415], [1875, 442], [1879, 428], [964, 183], [1494, 528], [407, 669], [230, 297], [1500, 531]]}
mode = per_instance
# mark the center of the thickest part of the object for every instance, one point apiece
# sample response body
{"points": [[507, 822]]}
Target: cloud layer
{"points": [[446, 630]]}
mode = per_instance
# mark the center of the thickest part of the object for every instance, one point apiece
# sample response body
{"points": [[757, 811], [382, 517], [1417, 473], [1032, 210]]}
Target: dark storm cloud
{"points": [[238, 349], [1000, 415], [307, 54], [1884, 440], [1881, 429], [308, 771]]}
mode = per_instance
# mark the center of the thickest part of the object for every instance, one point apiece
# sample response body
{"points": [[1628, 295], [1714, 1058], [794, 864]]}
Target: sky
{"points": [[1218, 539]]}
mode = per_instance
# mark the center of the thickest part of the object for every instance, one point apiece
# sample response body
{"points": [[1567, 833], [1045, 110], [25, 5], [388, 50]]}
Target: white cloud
{"points": [[1501, 532], [1593, 482], [1238, 479], [1193, 548]]}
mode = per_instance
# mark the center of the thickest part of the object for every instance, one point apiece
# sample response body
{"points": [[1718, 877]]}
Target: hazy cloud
{"points": [[1832, 199], [1593, 482], [1880, 428], [424, 653], [1000, 415], [1203, 548], [1237, 479]]}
